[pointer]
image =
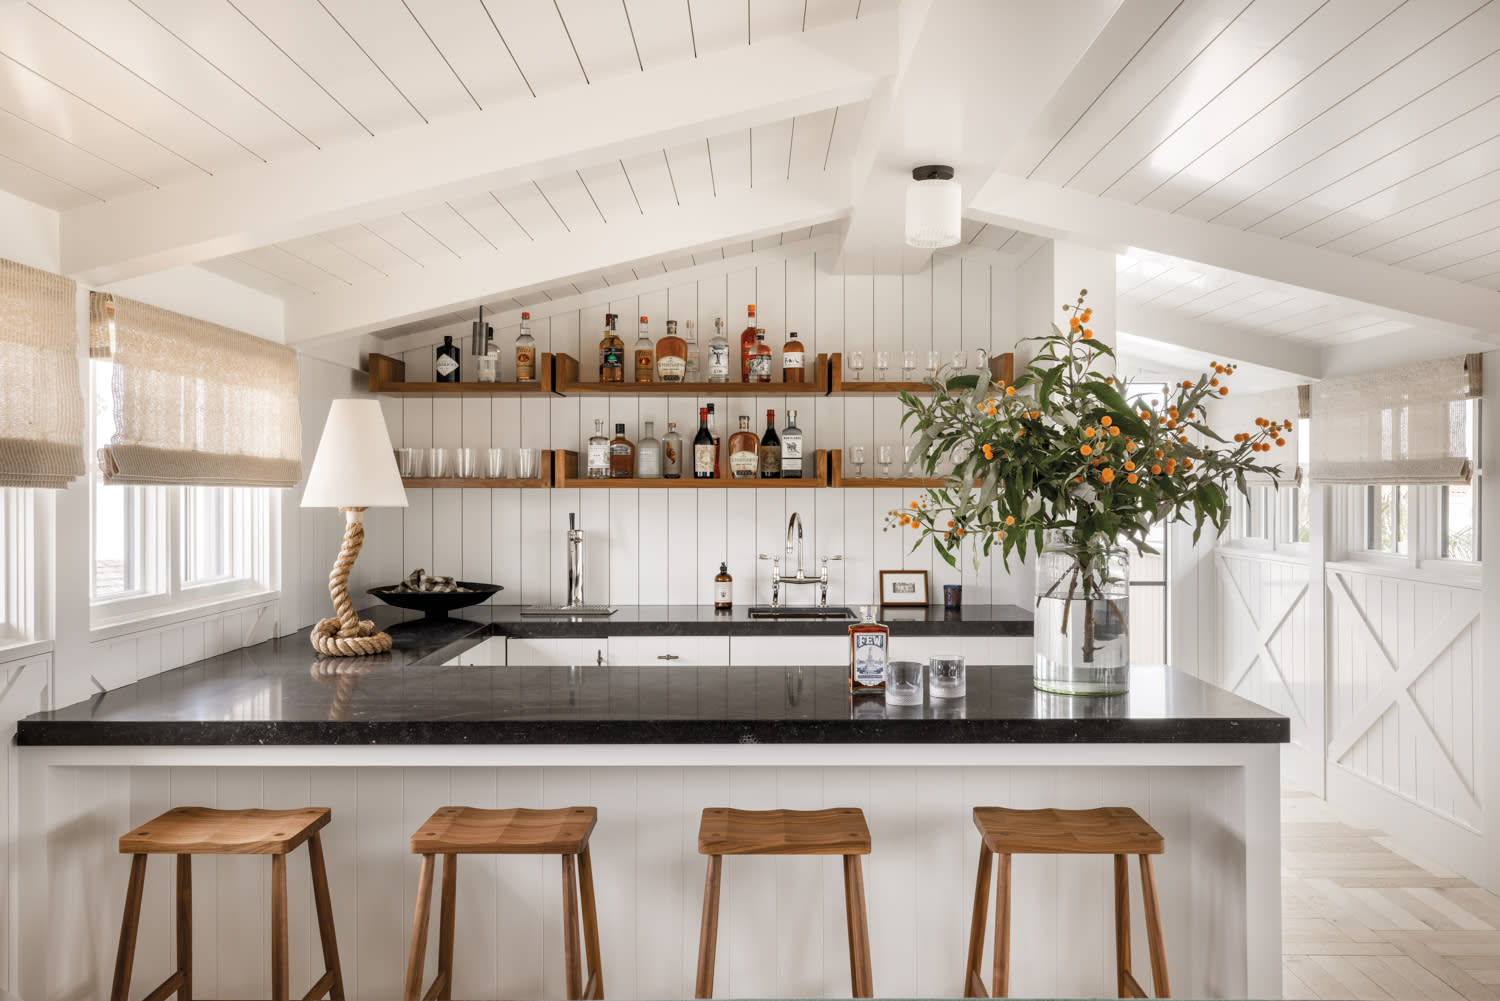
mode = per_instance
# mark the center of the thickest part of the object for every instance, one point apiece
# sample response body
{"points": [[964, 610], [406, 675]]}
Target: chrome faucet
{"points": [[575, 563], [794, 531]]}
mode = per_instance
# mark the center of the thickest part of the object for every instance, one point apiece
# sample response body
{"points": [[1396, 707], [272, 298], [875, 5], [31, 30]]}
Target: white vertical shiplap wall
{"points": [[657, 547]]}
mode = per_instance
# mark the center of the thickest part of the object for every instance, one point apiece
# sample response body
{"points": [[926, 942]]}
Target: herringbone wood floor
{"points": [[1365, 917]]}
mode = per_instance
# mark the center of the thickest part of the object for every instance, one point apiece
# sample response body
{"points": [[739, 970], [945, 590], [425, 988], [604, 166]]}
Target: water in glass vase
{"points": [[1082, 620]]}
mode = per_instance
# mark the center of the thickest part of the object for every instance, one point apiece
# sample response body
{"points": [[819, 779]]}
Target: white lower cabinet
{"points": [[681, 651], [724, 651], [558, 651], [801, 651]]}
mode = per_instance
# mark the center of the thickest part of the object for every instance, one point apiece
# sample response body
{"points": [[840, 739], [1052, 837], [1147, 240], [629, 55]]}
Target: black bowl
{"points": [[435, 604]]}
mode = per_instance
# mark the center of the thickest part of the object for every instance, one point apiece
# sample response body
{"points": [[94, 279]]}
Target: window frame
{"points": [[18, 566]]}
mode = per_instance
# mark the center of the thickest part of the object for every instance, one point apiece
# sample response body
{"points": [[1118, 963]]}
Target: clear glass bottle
{"points": [[445, 364], [869, 642], [611, 352], [648, 455], [718, 353], [744, 452], [705, 453], [525, 352], [645, 355], [791, 448], [691, 371], [760, 362], [671, 356], [671, 453], [793, 359], [621, 455], [770, 450], [598, 454]]}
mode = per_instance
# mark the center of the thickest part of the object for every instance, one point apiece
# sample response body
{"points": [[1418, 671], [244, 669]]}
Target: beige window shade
{"points": [[41, 404], [1405, 425], [195, 403], [1236, 413]]}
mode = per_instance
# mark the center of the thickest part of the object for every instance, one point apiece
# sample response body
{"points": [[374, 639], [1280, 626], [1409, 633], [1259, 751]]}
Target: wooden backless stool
{"points": [[460, 830], [1109, 830], [839, 831], [198, 830]]}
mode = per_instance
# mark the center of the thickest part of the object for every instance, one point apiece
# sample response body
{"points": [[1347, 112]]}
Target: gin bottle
{"points": [[648, 455], [791, 448], [718, 353], [598, 454]]}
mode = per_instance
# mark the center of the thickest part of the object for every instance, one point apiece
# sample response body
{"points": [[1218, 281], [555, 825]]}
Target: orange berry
{"points": [[1223, 390], [1214, 381], [1087, 334], [1106, 420], [1132, 478], [1114, 432], [1010, 390], [1107, 475], [913, 505], [1187, 384], [1155, 470], [1182, 438], [1086, 450], [1088, 432], [1187, 463], [1010, 519], [1129, 466], [1280, 442], [950, 523]]}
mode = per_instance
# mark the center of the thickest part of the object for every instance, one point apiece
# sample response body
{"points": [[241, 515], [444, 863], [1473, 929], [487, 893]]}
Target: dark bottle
{"points": [[770, 450], [718, 442], [723, 589], [705, 455], [446, 364]]}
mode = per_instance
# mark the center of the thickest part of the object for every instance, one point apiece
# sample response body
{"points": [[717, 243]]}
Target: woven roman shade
{"points": [[41, 404], [195, 403], [1236, 413], [1405, 425]]}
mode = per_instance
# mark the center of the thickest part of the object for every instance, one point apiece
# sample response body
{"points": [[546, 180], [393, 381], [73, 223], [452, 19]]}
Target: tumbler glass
{"points": [[908, 365], [856, 365], [486, 366], [406, 463], [945, 677], [527, 467], [883, 456], [934, 359], [437, 463], [882, 363], [960, 362], [903, 683], [466, 463], [494, 466], [857, 457]]}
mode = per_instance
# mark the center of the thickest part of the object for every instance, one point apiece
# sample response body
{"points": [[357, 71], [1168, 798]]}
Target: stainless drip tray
{"points": [[567, 610], [802, 612]]}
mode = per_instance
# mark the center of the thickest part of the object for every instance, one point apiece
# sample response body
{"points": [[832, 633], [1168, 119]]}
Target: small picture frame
{"points": [[903, 587]]}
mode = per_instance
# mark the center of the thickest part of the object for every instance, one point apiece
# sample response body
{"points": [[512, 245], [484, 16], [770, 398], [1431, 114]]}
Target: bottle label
{"points": [[703, 459], [869, 658], [723, 592], [718, 362], [770, 459], [669, 457], [525, 365], [612, 357], [742, 464], [760, 367], [671, 369], [791, 447], [648, 464], [792, 359], [446, 365], [643, 366], [598, 456]]}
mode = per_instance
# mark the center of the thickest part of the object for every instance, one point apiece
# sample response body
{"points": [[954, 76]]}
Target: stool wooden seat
{"points": [[1110, 830], [460, 830], [195, 830], [839, 831]]}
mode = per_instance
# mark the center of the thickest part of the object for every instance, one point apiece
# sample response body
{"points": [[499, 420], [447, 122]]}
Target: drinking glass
{"points": [[857, 457], [485, 365], [418, 463], [982, 362], [437, 463], [960, 362], [882, 362], [527, 467], [883, 456], [406, 462], [466, 463], [856, 364], [934, 359], [908, 365], [494, 466], [946, 677], [903, 683]]}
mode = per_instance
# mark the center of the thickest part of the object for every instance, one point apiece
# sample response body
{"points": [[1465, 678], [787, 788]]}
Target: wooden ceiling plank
{"points": [[412, 240], [729, 157], [259, 279], [771, 152], [485, 213], [35, 186], [538, 42], [1219, 341], [719, 25], [63, 161], [333, 259], [1455, 214], [848, 125], [611, 190], [446, 225], [771, 18], [531, 211], [821, 13], [601, 34], [291, 269], [653, 183], [1191, 292], [1479, 242], [368, 246], [1472, 268], [691, 174], [661, 30], [810, 137], [571, 200]]}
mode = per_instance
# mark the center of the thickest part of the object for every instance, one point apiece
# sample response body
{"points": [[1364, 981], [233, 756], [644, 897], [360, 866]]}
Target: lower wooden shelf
{"points": [[836, 477], [565, 463], [543, 480]]}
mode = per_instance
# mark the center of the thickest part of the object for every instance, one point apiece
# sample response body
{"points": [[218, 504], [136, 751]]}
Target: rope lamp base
{"points": [[346, 634]]}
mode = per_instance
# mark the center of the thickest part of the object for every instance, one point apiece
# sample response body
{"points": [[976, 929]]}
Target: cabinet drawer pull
{"points": [[599, 657], [667, 656]]}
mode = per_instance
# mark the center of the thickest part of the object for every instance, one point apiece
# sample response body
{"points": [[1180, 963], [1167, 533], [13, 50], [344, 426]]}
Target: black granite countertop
{"points": [[281, 692], [702, 620]]}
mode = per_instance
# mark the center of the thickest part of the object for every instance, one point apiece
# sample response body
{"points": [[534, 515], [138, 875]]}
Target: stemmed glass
{"points": [[856, 364], [857, 457], [882, 363], [934, 359], [982, 362], [883, 456], [960, 361], [908, 363]]}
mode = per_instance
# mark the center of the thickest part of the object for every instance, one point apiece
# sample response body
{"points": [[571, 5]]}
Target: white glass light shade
{"points": [[934, 212], [355, 466]]}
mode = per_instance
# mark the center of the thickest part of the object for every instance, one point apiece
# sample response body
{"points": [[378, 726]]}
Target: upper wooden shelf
{"points": [[568, 383], [841, 386], [836, 477], [388, 378], [567, 474]]}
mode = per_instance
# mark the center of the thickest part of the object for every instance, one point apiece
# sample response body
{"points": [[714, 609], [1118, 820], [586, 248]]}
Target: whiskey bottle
{"points": [[621, 455], [611, 352], [744, 451], [598, 454], [723, 589], [868, 643], [760, 362], [718, 443], [705, 452], [747, 343], [671, 356], [446, 362], [691, 371], [793, 357], [648, 455], [525, 352], [770, 450], [645, 355], [671, 453], [718, 354], [791, 448]]}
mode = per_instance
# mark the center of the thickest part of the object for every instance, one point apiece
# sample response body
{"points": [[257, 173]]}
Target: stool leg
{"points": [[1001, 986], [129, 925], [860, 976], [281, 971], [972, 980], [185, 926], [445, 926], [1154, 937], [571, 965], [708, 933], [418, 952], [324, 905], [594, 986], [1122, 928]]}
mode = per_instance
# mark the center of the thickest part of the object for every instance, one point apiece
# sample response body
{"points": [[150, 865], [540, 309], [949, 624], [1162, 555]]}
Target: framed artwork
{"points": [[903, 587]]}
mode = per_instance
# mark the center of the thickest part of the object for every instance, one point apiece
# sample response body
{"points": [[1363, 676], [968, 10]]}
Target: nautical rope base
{"points": [[346, 634]]}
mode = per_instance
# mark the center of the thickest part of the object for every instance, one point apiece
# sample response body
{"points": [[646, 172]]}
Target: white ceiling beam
{"points": [[466, 283], [1166, 327], [499, 147], [1069, 215]]}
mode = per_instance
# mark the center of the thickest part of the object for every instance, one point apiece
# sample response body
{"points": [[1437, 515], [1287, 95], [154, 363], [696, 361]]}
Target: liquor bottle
{"points": [[718, 443], [621, 455], [744, 451], [691, 371], [723, 589], [671, 452], [671, 356], [868, 643], [760, 362], [747, 343], [770, 450], [645, 355], [598, 461], [718, 354], [791, 448], [611, 352], [705, 453], [793, 356], [525, 352], [446, 362], [648, 455]]}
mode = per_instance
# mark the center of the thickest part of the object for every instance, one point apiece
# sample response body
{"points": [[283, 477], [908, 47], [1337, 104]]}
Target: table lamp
{"points": [[354, 469]]}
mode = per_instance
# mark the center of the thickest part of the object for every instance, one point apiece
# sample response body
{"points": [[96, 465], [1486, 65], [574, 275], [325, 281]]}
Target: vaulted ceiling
{"points": [[1292, 175]]}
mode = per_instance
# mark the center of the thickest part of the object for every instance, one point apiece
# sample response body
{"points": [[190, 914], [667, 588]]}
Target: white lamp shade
{"points": [[355, 466], [934, 213]]}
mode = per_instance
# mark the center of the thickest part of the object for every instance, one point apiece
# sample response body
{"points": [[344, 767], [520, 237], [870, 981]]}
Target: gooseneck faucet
{"points": [[794, 536]]}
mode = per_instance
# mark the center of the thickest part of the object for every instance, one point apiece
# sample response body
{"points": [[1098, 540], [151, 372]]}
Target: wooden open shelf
{"points": [[388, 378], [836, 477], [566, 465], [839, 386], [542, 482], [569, 383]]}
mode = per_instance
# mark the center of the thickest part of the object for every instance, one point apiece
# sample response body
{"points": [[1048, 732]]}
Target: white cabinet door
{"points": [[486, 653], [799, 651], [557, 651], [688, 651]]}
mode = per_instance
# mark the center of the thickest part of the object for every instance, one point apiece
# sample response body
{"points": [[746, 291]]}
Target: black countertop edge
{"points": [[703, 620]]}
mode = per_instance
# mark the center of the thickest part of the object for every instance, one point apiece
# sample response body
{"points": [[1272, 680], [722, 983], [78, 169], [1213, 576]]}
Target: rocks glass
{"points": [[903, 683], [946, 677]]}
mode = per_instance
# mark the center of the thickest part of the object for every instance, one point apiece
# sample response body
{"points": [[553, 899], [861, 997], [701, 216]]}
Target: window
{"points": [[1148, 600], [1458, 506], [1295, 517], [1387, 509], [17, 566]]}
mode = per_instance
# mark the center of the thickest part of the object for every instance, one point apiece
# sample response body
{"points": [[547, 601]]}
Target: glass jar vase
{"points": [[1082, 618]]}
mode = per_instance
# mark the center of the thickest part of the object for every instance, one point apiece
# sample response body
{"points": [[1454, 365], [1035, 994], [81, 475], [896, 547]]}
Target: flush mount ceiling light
{"points": [[934, 207]]}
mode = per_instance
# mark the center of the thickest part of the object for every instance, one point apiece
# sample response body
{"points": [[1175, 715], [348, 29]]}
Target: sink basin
{"points": [[802, 612]]}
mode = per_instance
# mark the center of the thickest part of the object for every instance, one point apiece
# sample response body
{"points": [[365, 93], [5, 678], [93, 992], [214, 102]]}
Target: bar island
{"points": [[445, 720]]}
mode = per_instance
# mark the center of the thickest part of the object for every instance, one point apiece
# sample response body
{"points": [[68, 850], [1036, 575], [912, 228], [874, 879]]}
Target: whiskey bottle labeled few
{"points": [[705, 452], [621, 455], [645, 356], [525, 352], [598, 454], [770, 450], [718, 354], [672, 356], [791, 448], [611, 352], [869, 642], [744, 452], [445, 364], [793, 359]]}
